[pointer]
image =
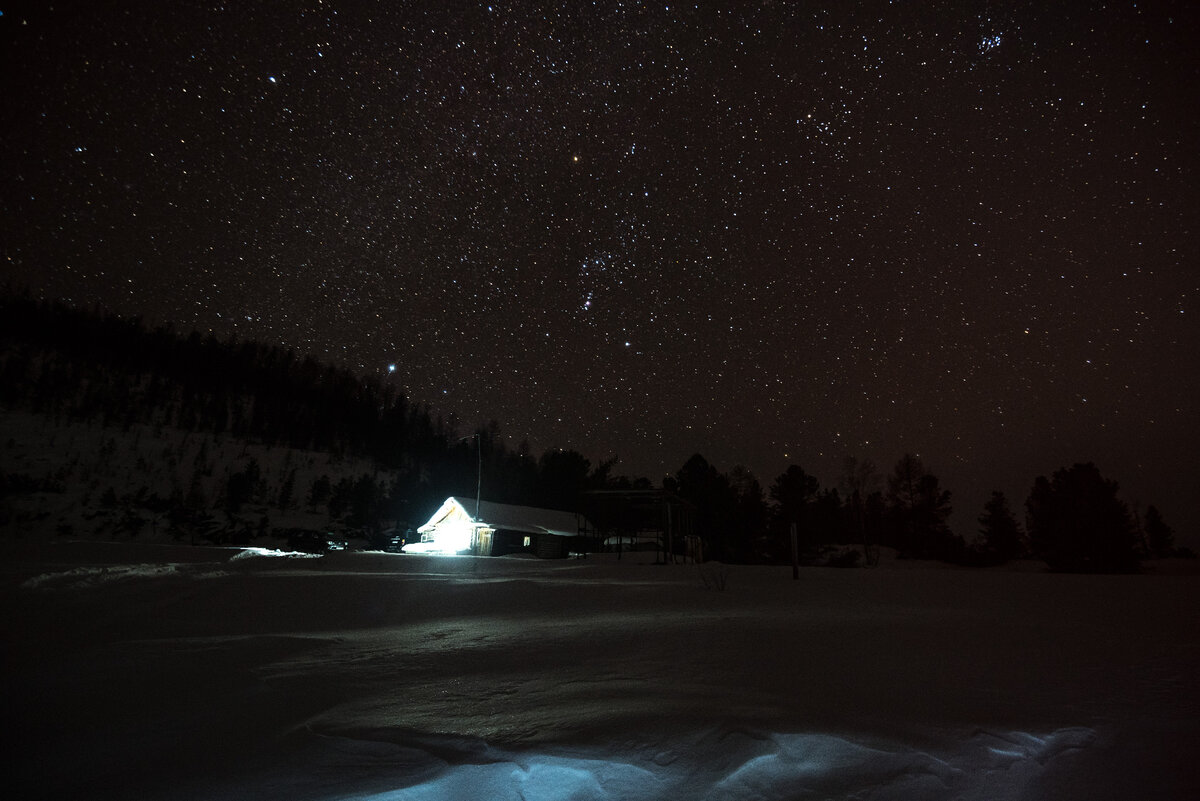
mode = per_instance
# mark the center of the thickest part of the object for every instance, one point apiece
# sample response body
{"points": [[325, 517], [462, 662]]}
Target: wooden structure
{"points": [[632, 518], [499, 529]]}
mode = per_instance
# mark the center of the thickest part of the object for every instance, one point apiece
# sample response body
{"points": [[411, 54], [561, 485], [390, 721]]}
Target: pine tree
{"points": [[286, 490], [1002, 539], [1160, 536], [1078, 524], [919, 508], [320, 492]]}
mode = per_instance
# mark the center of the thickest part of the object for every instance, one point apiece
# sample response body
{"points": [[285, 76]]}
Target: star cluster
{"points": [[774, 232]]}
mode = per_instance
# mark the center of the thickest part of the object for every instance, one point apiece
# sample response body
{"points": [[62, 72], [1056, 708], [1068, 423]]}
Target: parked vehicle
{"points": [[393, 539], [314, 542]]}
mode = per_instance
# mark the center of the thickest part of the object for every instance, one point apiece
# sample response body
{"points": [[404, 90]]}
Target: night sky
{"points": [[773, 233]]}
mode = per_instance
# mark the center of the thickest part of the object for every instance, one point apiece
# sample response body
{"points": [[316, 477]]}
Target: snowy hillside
{"points": [[76, 479], [136, 671]]}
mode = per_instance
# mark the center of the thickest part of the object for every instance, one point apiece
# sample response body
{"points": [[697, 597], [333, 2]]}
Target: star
{"points": [[793, 221]]}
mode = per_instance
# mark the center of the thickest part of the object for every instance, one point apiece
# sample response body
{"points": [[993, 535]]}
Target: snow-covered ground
{"points": [[75, 463], [173, 672]]}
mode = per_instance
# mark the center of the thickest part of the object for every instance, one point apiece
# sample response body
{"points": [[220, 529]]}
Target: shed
{"points": [[500, 529]]}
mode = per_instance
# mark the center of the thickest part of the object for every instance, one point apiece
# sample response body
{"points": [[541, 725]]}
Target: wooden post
{"points": [[670, 554], [795, 555]]}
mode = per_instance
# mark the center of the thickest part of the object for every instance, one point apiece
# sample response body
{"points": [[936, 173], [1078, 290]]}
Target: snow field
{"points": [[218, 673]]}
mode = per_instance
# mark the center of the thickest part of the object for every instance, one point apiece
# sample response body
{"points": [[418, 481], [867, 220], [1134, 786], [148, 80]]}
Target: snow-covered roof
{"points": [[528, 519]]}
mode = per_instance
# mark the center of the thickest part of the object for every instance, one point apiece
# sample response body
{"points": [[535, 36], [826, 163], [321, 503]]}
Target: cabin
{"points": [[499, 528]]}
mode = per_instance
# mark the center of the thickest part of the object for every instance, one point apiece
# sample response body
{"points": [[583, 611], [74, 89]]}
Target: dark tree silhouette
{"points": [[242, 486], [793, 492], [364, 499], [827, 522], [999, 530], [750, 514], [562, 477], [859, 481], [287, 490], [1160, 537], [320, 492], [715, 501], [1078, 524], [91, 367], [918, 509]]}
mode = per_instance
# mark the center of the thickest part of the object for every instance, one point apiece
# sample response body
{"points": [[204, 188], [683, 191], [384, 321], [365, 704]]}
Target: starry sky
{"points": [[771, 232]]}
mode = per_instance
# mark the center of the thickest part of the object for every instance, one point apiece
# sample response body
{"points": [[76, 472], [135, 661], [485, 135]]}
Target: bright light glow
{"points": [[454, 535], [421, 547]]}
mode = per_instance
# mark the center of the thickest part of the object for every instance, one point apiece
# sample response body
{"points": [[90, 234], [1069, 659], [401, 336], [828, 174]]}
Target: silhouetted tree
{"points": [[195, 500], [999, 530], [918, 509], [792, 493], [860, 479], [364, 500], [1159, 536], [242, 486], [826, 521], [750, 513], [562, 478], [708, 490], [320, 492], [287, 489], [340, 498], [1078, 524], [518, 481]]}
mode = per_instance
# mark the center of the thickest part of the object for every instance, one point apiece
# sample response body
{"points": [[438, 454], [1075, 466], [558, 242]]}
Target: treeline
{"points": [[94, 367], [88, 367], [1075, 520]]}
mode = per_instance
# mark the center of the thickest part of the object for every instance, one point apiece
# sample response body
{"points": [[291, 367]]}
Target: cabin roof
{"points": [[527, 519]]}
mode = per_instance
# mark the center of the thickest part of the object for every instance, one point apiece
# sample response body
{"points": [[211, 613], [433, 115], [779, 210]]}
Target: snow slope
{"points": [[175, 672]]}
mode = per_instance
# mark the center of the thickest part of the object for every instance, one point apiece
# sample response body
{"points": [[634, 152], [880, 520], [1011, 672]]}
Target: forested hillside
{"points": [[112, 428]]}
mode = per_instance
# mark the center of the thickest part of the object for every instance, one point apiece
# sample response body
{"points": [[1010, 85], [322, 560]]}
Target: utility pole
{"points": [[478, 472], [478, 469]]}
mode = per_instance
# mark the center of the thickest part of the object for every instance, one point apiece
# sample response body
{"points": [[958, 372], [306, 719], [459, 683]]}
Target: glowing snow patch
{"points": [[741, 766], [249, 553], [535, 778], [95, 576]]}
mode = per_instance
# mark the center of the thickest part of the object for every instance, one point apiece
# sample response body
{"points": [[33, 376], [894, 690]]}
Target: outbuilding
{"points": [[484, 528]]}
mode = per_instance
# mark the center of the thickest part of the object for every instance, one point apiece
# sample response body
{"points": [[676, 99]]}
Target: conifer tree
{"points": [[1002, 539]]}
